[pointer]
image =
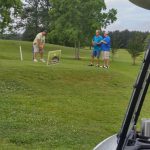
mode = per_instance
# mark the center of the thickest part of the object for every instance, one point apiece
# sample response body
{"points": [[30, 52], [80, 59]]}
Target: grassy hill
{"points": [[68, 106]]}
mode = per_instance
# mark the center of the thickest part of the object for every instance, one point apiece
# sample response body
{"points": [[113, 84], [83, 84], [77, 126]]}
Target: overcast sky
{"points": [[129, 16]]}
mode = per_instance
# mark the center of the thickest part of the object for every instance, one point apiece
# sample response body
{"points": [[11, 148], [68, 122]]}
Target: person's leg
{"points": [[98, 56], [105, 62], [106, 59], [97, 62], [92, 58], [103, 58], [41, 56], [92, 61], [35, 55], [35, 51]]}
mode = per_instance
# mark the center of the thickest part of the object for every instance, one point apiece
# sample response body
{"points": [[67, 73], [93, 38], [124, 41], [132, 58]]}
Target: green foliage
{"points": [[115, 42], [74, 22], [36, 17], [78, 20], [8, 8], [147, 42], [121, 39], [135, 46]]}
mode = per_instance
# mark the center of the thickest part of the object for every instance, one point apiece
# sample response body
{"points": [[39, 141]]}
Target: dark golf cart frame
{"points": [[129, 138]]}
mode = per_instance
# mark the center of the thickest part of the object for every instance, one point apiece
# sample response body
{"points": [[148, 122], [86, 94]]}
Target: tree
{"points": [[8, 9], [147, 42], [121, 39], [135, 46], [75, 21], [115, 42], [35, 16]]}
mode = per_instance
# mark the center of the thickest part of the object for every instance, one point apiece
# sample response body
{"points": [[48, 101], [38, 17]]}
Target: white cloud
{"points": [[129, 16]]}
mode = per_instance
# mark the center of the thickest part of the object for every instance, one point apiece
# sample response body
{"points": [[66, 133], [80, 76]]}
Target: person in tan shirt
{"points": [[38, 46]]}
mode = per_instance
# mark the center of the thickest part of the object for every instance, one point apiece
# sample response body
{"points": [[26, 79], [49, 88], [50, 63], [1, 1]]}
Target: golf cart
{"points": [[128, 138]]}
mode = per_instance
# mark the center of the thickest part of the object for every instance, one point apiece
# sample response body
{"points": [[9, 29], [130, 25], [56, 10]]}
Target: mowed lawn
{"points": [[67, 106]]}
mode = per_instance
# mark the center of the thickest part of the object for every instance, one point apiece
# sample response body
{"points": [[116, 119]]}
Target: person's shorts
{"points": [[106, 54], [96, 54], [36, 49]]}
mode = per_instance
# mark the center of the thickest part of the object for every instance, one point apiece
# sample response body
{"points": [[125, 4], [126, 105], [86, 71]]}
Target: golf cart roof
{"points": [[142, 3]]}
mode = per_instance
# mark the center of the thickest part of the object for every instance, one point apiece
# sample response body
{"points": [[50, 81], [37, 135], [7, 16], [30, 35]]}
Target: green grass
{"points": [[68, 106]]}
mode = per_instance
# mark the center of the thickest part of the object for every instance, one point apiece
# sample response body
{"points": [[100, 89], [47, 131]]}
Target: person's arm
{"points": [[99, 43], [39, 42], [93, 43], [43, 43], [103, 41]]}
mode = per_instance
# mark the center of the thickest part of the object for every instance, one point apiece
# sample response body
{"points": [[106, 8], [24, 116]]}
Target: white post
{"points": [[21, 57]]}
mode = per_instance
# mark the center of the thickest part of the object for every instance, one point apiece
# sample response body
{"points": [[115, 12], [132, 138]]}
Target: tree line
{"points": [[135, 42]]}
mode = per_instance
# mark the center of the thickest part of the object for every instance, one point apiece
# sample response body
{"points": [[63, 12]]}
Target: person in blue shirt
{"points": [[96, 46], [106, 46]]}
